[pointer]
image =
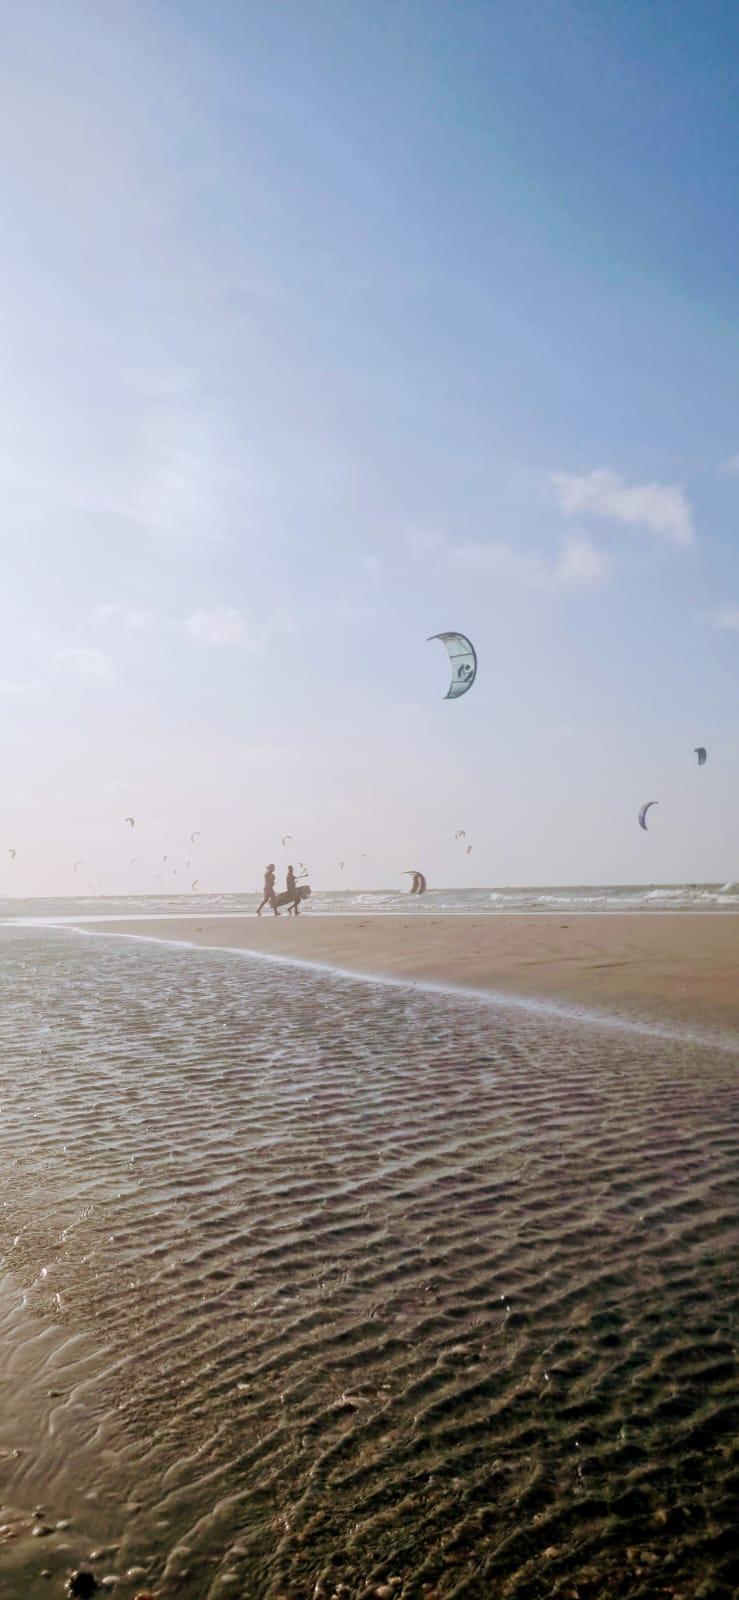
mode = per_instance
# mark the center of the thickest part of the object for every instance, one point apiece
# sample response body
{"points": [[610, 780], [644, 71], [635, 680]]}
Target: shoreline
{"points": [[675, 967]]}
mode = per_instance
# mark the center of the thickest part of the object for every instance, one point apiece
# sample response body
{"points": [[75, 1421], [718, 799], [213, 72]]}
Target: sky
{"points": [[327, 326]]}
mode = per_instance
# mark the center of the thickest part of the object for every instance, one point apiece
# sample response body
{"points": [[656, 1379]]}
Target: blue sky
{"points": [[327, 326]]}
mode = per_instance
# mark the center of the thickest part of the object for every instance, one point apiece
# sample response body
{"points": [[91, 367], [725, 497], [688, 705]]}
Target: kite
{"points": [[196, 835], [130, 821], [194, 884], [643, 814], [468, 851], [78, 864], [418, 885], [702, 755], [460, 834], [463, 658], [134, 861], [341, 866], [286, 837], [12, 854], [164, 858]]}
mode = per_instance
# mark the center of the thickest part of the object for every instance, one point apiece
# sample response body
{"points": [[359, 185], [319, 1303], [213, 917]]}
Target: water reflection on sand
{"points": [[332, 1283]]}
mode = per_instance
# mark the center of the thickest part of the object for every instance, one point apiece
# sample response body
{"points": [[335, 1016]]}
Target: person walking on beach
{"points": [[290, 884], [269, 889]]}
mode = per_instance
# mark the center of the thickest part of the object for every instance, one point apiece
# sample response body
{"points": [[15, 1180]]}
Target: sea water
{"points": [[587, 898]]}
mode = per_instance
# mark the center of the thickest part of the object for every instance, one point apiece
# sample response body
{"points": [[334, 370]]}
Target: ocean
{"points": [[312, 1282], [585, 898]]}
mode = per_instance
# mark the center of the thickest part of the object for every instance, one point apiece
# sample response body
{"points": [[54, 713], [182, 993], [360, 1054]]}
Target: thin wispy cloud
{"points": [[215, 626], [29, 632], [725, 617], [579, 564], [662, 509], [13, 686], [582, 564], [89, 663], [133, 620], [223, 626], [425, 541]]}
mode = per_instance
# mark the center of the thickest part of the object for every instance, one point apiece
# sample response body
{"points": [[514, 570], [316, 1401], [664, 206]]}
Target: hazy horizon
{"points": [[327, 328]]}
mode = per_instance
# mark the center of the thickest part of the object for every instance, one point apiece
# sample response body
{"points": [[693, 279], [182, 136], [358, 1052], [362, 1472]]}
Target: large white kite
{"points": [[463, 658]]}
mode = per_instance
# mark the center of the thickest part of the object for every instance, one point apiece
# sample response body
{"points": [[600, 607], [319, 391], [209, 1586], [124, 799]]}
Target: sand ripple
{"points": [[382, 1289]]}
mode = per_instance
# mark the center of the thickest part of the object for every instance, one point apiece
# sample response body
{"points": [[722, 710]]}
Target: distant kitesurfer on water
{"points": [[269, 889]]}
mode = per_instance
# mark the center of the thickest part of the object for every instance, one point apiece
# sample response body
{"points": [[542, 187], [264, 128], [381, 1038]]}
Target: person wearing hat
{"points": [[269, 890]]}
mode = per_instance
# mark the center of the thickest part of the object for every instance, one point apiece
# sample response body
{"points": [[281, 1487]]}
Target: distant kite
{"points": [[418, 885], [164, 858], [78, 864], [702, 755], [195, 884], [130, 821], [287, 838], [643, 814], [134, 861], [12, 854], [468, 851], [463, 658], [460, 834], [196, 835], [341, 866]]}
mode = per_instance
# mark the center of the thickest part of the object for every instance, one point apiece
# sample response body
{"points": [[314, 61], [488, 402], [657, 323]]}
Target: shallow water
{"points": [[310, 1277]]}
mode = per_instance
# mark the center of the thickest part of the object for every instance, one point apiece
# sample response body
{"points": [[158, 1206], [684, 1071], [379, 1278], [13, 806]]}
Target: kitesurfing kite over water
{"points": [[460, 834], [463, 658], [702, 755], [131, 821], [196, 835], [418, 885], [12, 854], [643, 814]]}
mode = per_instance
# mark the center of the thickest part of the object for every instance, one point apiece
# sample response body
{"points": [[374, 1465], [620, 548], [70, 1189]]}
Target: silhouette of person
{"points": [[269, 889], [291, 885]]}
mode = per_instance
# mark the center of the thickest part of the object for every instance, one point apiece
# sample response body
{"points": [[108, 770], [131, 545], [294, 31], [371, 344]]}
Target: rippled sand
{"points": [[331, 1283]]}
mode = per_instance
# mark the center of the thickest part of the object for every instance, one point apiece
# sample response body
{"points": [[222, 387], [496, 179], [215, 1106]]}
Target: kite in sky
{"points": [[463, 659]]}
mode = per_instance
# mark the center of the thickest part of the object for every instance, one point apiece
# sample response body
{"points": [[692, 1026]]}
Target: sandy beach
{"points": [[323, 1288], [680, 966]]}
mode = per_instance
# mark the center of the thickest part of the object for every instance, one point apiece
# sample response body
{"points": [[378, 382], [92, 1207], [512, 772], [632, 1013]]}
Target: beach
{"points": [[315, 1286], [679, 966]]}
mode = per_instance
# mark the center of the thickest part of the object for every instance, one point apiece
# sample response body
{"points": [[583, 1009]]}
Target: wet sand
{"points": [[407, 1295], [682, 967]]}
